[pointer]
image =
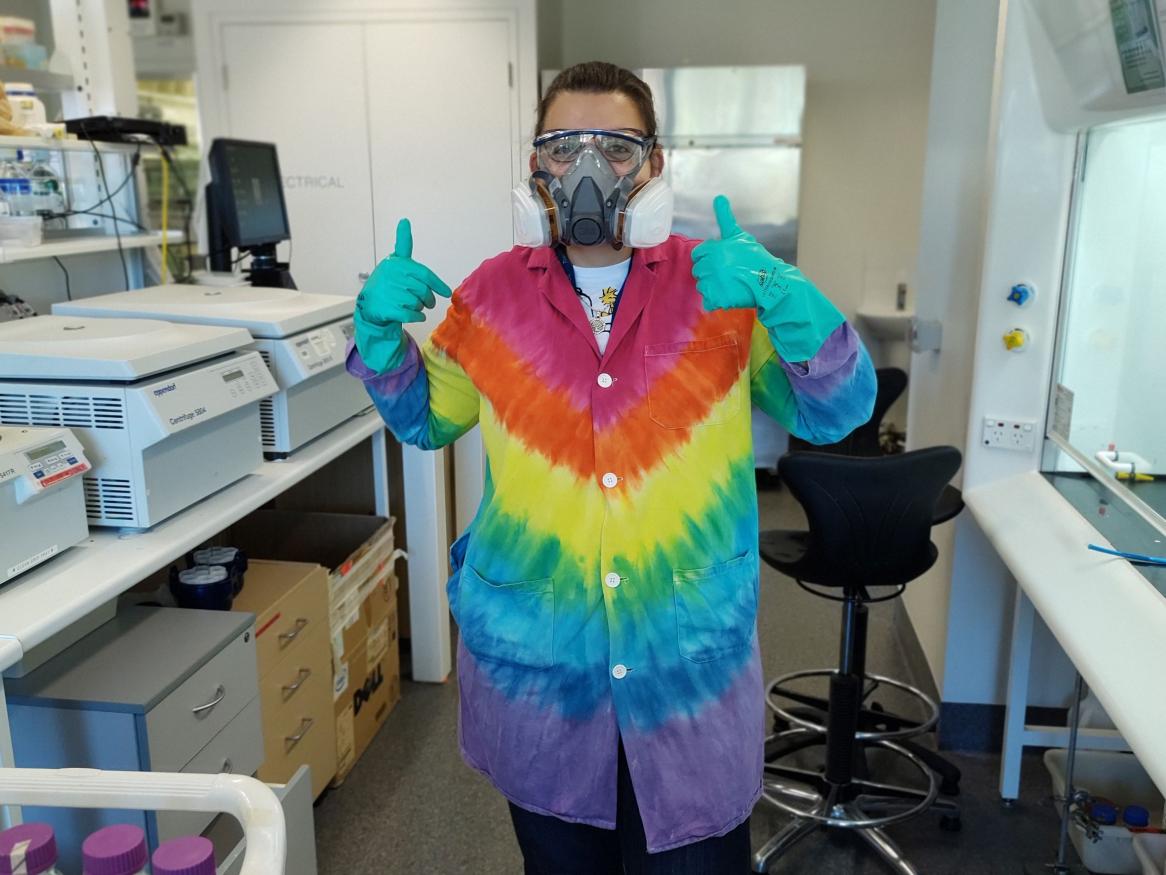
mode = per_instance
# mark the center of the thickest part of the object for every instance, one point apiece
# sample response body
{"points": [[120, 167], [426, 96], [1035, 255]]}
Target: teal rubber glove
{"points": [[737, 271], [400, 290]]}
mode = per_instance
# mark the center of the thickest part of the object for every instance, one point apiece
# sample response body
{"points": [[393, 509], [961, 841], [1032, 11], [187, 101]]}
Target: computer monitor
{"points": [[246, 208]]}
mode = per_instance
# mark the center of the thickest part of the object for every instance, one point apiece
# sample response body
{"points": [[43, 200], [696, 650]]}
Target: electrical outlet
{"points": [[1009, 434]]}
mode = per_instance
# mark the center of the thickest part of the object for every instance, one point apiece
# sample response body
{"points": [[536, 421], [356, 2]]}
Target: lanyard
{"points": [[561, 253]]}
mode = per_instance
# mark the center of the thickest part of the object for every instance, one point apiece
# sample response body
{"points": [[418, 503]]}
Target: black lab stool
{"points": [[870, 523]]}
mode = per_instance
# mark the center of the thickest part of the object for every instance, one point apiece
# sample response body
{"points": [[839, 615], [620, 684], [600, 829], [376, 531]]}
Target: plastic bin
{"points": [[1150, 849], [1115, 776], [21, 230]]}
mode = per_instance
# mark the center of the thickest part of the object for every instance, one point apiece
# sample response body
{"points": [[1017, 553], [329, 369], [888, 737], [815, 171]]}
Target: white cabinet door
{"points": [[444, 129], [442, 115], [301, 86]]}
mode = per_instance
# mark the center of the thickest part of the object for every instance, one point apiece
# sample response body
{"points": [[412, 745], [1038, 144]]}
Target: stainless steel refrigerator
{"points": [[736, 131]]}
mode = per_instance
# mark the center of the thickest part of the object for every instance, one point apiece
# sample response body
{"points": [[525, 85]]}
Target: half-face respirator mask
{"points": [[585, 193]]}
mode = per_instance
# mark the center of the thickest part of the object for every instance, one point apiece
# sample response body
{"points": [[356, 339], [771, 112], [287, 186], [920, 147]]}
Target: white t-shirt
{"points": [[598, 290]]}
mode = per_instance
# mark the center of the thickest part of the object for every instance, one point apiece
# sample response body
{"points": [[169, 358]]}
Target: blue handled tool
{"points": [[1132, 557]]}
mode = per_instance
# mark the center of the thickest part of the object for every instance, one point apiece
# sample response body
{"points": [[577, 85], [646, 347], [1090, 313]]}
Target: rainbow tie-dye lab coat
{"points": [[608, 585]]}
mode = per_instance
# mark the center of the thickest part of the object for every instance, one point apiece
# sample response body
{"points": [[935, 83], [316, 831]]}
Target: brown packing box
{"points": [[341, 542], [289, 599], [294, 652], [367, 687], [374, 610]]}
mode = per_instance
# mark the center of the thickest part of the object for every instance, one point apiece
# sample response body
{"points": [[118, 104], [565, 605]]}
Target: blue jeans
{"points": [[554, 847]]}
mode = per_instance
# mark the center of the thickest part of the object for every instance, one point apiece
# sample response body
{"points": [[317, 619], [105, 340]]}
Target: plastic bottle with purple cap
{"points": [[28, 849], [115, 850], [192, 855]]}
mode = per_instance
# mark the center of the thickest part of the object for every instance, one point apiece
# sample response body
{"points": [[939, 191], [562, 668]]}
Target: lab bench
{"points": [[1107, 615]]}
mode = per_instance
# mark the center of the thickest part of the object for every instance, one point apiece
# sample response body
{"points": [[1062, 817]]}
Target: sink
{"points": [[886, 323]]}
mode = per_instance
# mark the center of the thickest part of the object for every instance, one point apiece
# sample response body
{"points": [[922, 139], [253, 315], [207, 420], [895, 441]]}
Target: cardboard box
{"points": [[359, 551], [354, 547], [290, 602], [293, 647], [350, 631], [367, 687]]}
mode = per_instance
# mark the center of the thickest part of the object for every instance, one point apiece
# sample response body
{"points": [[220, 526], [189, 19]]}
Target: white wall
{"points": [[868, 67], [955, 193], [996, 208]]}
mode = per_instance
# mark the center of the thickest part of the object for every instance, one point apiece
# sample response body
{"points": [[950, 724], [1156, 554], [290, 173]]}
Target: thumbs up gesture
{"points": [[399, 291], [736, 270]]}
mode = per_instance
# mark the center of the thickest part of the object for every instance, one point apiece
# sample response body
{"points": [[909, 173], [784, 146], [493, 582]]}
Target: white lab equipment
{"points": [[301, 336], [42, 503], [167, 414]]}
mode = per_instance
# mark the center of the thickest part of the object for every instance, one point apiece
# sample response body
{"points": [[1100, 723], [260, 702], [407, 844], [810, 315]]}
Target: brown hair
{"points": [[599, 77]]}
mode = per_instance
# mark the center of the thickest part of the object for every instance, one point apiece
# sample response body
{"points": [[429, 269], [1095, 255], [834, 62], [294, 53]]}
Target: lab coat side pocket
{"points": [[457, 558], [512, 623], [716, 608]]}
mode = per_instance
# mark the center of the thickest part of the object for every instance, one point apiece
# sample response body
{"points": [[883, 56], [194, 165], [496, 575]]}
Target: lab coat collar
{"points": [[543, 257], [637, 291]]}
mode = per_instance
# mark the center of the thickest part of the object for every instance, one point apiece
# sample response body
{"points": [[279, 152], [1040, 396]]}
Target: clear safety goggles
{"points": [[557, 150]]}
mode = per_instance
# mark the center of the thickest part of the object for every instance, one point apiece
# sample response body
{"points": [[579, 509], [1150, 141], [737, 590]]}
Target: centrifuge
{"points": [[167, 414], [301, 336], [42, 503]]}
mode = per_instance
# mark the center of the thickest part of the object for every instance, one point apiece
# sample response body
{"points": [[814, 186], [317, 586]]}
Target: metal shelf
{"points": [[54, 145], [42, 602], [41, 80], [86, 246]]}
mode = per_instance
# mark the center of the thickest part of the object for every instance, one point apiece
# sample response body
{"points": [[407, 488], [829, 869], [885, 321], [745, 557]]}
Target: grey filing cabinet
{"points": [[157, 689]]}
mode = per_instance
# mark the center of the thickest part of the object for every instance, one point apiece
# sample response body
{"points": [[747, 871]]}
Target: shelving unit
{"points": [[70, 145], [41, 603], [41, 80], [86, 246]]}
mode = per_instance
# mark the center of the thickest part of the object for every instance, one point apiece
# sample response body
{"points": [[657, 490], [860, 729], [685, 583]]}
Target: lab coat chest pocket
{"points": [[716, 608], [507, 622], [694, 382]]}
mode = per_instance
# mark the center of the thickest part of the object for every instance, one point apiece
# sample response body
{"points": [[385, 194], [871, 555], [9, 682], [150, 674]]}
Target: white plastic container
{"points": [[21, 230], [1150, 849], [1120, 778], [27, 108]]}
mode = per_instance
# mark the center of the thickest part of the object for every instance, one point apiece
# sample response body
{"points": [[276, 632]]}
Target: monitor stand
{"points": [[266, 270]]}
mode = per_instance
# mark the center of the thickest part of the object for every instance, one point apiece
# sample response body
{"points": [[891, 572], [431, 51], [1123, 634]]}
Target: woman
{"points": [[606, 591]]}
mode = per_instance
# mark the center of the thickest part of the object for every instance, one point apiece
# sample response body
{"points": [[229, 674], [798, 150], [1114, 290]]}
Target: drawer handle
{"points": [[286, 638], [292, 740], [220, 694], [290, 690]]}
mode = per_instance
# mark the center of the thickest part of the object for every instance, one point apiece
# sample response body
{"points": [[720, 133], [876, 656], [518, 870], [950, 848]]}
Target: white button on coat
{"points": [[604, 381], [619, 672], [612, 580], [609, 480]]}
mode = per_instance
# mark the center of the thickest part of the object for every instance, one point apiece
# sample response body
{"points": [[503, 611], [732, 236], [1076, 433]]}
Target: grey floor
{"points": [[410, 806]]}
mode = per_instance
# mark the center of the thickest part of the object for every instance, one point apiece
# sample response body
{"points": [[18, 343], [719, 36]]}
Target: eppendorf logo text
{"points": [[323, 180]]}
